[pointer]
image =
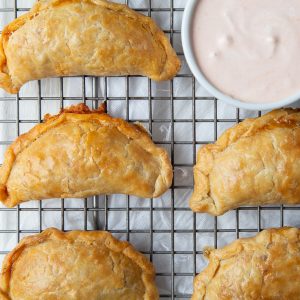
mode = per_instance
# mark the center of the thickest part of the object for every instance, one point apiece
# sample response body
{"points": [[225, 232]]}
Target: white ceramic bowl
{"points": [[186, 32]]}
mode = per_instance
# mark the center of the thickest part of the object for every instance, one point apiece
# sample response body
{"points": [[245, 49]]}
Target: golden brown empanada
{"points": [[263, 267], [83, 37], [83, 265], [80, 153], [254, 163]]}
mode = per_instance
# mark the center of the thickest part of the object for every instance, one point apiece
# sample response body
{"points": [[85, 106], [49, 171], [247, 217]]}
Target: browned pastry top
{"points": [[79, 153], [76, 265], [83, 37], [263, 267], [256, 162]]}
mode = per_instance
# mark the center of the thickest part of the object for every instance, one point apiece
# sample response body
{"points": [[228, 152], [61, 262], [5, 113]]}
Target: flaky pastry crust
{"points": [[80, 153], [76, 265], [263, 267], [83, 37], [256, 162]]}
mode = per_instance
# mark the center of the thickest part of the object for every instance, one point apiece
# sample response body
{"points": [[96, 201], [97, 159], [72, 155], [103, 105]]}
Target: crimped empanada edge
{"points": [[172, 62], [215, 256], [82, 112], [5, 79], [148, 271], [201, 199]]}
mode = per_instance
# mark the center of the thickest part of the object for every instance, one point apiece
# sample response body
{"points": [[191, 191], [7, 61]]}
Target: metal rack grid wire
{"points": [[176, 262]]}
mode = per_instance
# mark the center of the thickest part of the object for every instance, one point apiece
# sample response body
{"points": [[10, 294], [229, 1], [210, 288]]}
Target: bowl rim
{"points": [[186, 39]]}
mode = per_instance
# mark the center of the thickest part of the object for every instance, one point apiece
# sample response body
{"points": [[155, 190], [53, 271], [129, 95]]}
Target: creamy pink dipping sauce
{"points": [[249, 49]]}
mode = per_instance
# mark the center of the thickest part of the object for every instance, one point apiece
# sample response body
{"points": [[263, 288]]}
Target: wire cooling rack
{"points": [[164, 229]]}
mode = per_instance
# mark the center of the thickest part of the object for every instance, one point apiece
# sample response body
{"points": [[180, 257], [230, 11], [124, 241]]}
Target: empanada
{"points": [[80, 153], [83, 265], [83, 37], [263, 267], [256, 162]]}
